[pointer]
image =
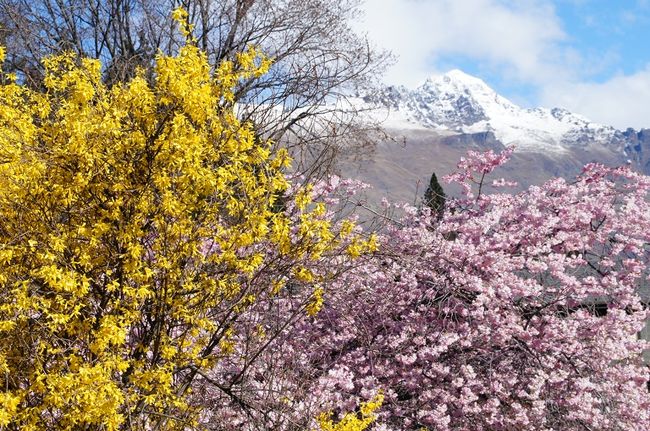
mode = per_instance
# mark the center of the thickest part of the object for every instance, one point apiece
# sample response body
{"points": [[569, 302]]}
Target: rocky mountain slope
{"points": [[436, 123]]}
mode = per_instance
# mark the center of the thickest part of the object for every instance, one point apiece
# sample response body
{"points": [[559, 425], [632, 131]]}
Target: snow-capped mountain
{"points": [[461, 103], [438, 122]]}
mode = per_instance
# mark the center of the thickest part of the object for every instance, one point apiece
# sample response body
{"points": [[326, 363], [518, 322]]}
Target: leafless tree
{"points": [[318, 58]]}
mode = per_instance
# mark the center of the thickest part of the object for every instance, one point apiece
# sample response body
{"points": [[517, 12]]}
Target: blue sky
{"points": [[589, 56]]}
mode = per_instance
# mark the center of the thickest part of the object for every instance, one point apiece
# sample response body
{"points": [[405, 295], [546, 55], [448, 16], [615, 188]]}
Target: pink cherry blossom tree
{"points": [[513, 311]]}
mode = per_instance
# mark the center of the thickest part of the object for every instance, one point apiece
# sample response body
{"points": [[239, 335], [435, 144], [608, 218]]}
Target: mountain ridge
{"points": [[461, 103], [431, 127]]}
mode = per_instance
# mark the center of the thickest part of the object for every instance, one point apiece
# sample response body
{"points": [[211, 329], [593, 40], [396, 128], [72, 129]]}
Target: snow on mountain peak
{"points": [[456, 101], [459, 80], [460, 75]]}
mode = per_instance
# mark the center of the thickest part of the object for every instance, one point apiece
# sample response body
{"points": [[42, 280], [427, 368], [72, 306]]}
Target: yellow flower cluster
{"points": [[129, 220], [353, 421]]}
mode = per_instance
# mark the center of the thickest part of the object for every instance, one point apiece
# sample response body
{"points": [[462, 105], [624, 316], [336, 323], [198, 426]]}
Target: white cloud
{"points": [[621, 101], [523, 38]]}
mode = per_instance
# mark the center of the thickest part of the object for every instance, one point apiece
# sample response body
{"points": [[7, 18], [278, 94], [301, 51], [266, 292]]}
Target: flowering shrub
{"points": [[514, 311], [138, 224]]}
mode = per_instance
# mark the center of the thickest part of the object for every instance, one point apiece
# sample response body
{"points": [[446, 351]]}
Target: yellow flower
{"points": [[316, 302], [352, 421], [135, 212]]}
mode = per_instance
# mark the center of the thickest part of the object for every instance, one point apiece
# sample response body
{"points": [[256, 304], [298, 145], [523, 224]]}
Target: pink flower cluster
{"points": [[512, 312]]}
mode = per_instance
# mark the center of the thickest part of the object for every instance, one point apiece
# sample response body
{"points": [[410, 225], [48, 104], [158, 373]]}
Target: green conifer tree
{"points": [[434, 196]]}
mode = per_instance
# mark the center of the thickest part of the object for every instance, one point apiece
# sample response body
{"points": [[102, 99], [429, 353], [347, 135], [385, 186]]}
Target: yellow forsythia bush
{"points": [[129, 219]]}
